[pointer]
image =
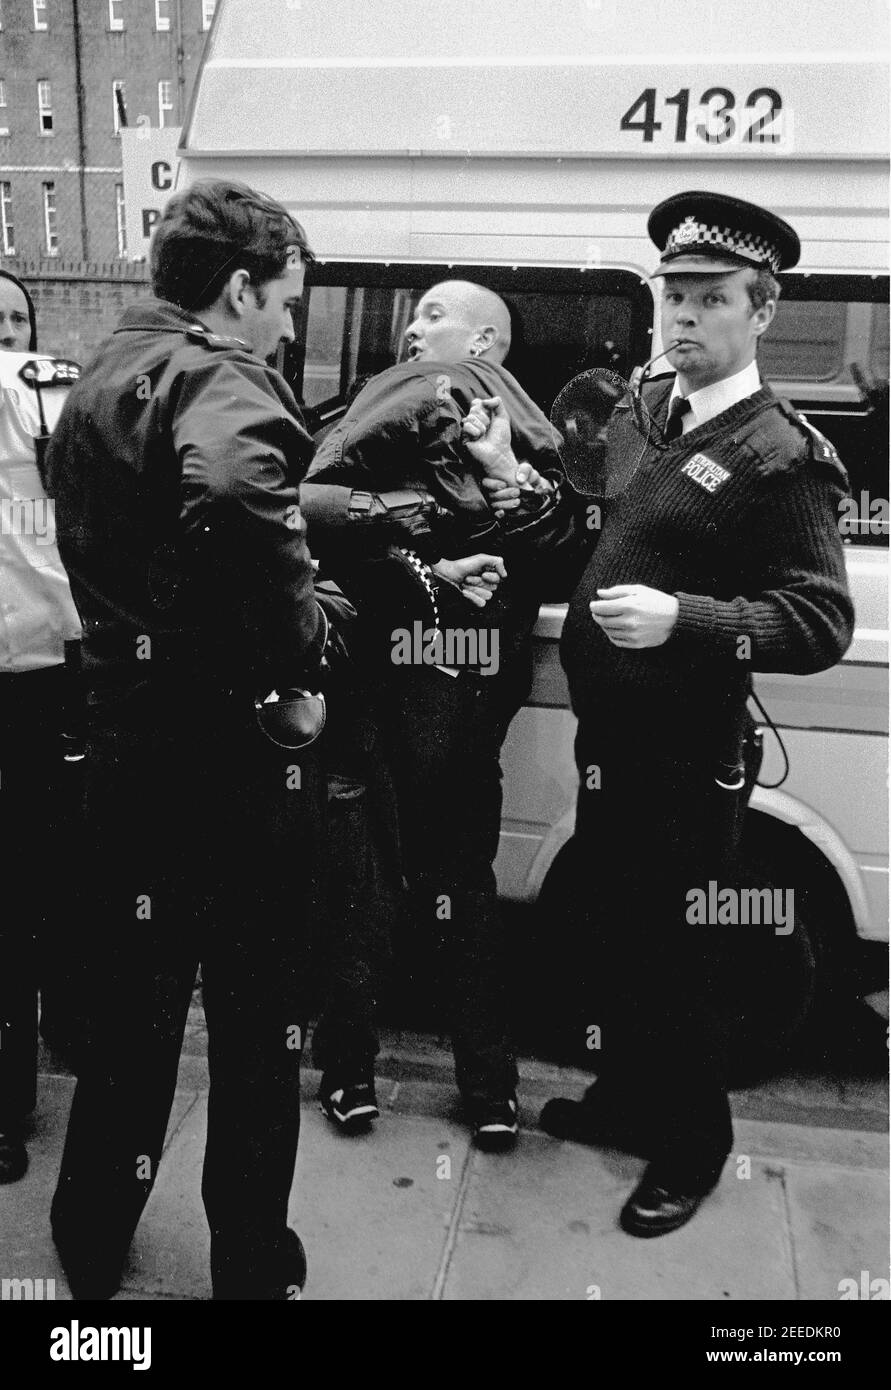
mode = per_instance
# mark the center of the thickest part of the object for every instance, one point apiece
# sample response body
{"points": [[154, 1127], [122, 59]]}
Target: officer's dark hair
{"points": [[762, 286], [214, 228]]}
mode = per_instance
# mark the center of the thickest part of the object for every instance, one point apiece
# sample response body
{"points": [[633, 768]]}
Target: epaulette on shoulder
{"points": [[819, 446], [215, 341], [788, 438]]}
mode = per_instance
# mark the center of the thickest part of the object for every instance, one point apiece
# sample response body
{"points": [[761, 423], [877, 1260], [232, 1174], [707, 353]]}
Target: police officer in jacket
{"points": [[175, 470]]}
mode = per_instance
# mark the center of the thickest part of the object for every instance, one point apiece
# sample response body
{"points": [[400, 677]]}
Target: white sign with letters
{"points": [[151, 166]]}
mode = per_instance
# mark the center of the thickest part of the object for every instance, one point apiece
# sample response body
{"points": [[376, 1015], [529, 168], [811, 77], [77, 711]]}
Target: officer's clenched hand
{"points": [[631, 615], [477, 576]]}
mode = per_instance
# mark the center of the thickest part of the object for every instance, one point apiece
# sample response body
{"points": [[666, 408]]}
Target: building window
{"points": [[40, 14], [45, 107], [50, 226], [6, 228], [208, 8], [4, 128], [121, 218], [115, 18], [162, 16], [118, 106], [165, 101]]}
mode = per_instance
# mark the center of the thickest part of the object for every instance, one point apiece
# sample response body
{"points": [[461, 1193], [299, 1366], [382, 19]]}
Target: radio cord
{"points": [[771, 786]]}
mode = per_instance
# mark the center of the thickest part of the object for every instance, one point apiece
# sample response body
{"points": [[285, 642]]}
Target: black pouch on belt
{"points": [[735, 772]]}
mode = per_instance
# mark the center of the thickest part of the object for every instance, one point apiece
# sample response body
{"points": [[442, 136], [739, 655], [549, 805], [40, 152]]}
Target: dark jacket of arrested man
{"points": [[402, 447], [175, 468], [719, 557], [396, 467]]}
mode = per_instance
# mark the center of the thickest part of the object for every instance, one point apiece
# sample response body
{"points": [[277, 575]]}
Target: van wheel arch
{"points": [[796, 982], [786, 988]]}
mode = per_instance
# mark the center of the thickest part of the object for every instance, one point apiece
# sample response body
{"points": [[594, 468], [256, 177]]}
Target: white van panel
{"points": [[522, 211], [520, 78]]}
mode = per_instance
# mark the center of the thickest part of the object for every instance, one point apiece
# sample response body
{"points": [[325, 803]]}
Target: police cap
{"points": [[710, 233]]}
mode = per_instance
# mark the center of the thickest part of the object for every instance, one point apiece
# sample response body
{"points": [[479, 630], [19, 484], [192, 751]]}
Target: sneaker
{"points": [[495, 1124], [352, 1108]]}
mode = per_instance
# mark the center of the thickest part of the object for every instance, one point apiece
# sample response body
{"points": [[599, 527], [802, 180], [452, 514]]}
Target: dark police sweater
{"points": [[739, 520]]}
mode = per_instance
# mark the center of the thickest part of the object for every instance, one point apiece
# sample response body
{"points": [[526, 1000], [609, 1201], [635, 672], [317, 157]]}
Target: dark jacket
{"points": [[175, 468], [403, 431]]}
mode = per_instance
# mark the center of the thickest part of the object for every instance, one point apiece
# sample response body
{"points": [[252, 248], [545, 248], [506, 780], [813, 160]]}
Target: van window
{"points": [[806, 341], [827, 352], [353, 319]]}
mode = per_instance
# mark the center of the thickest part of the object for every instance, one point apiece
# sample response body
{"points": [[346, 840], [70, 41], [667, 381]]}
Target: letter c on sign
{"points": [[162, 174]]}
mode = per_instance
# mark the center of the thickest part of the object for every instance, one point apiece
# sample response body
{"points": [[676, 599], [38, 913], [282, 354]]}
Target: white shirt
{"points": [[37, 613], [710, 401]]}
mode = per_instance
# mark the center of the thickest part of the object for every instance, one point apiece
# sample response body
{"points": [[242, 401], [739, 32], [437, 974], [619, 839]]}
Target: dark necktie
{"points": [[673, 425]]}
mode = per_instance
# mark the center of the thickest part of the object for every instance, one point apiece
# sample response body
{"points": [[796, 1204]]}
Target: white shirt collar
{"points": [[710, 401]]}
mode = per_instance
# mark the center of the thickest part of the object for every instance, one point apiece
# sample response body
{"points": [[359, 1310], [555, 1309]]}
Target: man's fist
{"points": [[477, 576], [631, 615], [485, 433]]}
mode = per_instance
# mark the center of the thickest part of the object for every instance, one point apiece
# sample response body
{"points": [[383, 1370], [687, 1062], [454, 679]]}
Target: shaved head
{"points": [[484, 308], [456, 319]]}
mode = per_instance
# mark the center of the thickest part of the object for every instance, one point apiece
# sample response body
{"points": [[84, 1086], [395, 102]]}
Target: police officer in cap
{"points": [[721, 557]]}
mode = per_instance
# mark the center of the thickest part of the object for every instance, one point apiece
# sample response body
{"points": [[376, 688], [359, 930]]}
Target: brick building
{"points": [[61, 185]]}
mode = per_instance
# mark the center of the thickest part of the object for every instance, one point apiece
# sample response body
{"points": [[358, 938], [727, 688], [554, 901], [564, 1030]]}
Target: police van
{"points": [[522, 147]]}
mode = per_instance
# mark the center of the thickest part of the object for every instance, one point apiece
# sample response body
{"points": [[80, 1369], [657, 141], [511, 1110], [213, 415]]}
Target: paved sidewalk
{"points": [[412, 1212]]}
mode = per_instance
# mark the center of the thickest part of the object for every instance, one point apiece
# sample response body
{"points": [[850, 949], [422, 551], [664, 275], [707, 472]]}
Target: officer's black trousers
{"points": [[441, 738], [652, 827], [39, 823], [201, 849]]}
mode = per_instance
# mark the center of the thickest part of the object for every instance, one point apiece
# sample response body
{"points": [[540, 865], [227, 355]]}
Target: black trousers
{"points": [[653, 825], [202, 838], [363, 897], [40, 821], [440, 738]]}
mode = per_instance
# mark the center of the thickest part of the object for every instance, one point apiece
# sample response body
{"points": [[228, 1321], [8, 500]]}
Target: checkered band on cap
{"points": [[692, 236]]}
